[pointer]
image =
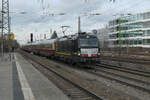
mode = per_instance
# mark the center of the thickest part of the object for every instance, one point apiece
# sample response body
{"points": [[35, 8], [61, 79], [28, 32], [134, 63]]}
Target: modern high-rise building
{"points": [[130, 31]]}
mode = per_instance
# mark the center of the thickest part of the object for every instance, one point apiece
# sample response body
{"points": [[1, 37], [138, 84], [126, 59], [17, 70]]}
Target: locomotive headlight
{"points": [[99, 54], [79, 54]]}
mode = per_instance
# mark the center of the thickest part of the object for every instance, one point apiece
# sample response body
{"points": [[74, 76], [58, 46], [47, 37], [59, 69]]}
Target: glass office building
{"points": [[131, 31]]}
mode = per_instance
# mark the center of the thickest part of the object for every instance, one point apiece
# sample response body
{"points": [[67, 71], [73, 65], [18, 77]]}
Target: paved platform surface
{"points": [[19, 80]]}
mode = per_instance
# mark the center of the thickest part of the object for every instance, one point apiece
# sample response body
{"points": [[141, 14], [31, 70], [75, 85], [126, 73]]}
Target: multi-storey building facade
{"points": [[130, 31]]}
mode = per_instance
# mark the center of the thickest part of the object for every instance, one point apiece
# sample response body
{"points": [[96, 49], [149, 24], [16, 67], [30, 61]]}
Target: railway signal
{"points": [[31, 37], [12, 36]]}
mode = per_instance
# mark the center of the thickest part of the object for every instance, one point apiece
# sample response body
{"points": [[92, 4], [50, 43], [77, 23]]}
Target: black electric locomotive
{"points": [[80, 48]]}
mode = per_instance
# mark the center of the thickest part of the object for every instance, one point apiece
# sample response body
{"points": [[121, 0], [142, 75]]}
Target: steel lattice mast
{"points": [[5, 22]]}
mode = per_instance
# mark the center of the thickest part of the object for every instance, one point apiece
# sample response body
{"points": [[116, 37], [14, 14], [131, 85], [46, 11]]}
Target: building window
{"points": [[148, 32], [146, 15], [139, 41], [146, 24], [144, 41], [131, 42], [135, 42], [148, 41]]}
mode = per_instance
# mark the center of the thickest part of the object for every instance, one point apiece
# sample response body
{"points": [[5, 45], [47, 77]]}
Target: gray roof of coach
{"points": [[71, 37], [42, 42], [48, 41]]}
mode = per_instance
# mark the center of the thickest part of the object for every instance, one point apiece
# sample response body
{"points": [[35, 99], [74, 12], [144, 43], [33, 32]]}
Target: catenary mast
{"points": [[5, 23]]}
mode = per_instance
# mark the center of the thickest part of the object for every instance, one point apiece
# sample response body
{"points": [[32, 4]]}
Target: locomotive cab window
{"points": [[86, 42]]}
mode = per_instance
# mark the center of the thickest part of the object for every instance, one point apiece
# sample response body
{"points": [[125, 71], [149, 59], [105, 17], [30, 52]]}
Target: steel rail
{"points": [[130, 60], [123, 69], [125, 77], [121, 82]]}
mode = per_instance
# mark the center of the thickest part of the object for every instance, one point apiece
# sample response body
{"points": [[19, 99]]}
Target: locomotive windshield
{"points": [[88, 42]]}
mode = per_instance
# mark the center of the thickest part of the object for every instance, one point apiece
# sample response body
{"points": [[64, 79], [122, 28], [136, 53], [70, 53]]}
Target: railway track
{"points": [[122, 79], [88, 94], [65, 81], [124, 69], [132, 82], [130, 60]]}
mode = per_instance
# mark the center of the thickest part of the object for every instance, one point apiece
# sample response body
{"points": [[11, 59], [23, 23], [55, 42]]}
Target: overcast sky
{"points": [[36, 18]]}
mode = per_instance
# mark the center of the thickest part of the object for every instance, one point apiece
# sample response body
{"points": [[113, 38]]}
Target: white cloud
{"points": [[32, 21]]}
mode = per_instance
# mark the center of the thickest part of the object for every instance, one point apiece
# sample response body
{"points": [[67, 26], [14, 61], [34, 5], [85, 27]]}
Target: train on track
{"points": [[81, 48]]}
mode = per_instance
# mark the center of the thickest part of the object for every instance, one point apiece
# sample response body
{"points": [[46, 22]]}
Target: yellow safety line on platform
{"points": [[27, 92]]}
